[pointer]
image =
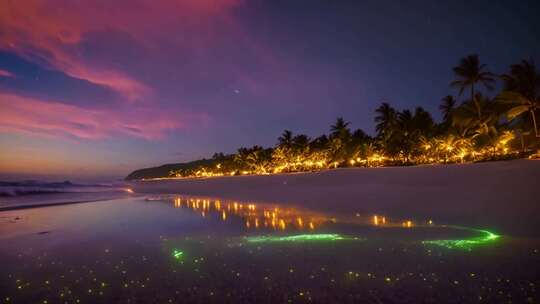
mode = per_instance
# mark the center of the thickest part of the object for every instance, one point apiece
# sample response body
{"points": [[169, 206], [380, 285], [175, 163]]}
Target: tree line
{"points": [[474, 127]]}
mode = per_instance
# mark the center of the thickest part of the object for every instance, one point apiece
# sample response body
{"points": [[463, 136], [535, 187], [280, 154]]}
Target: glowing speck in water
{"points": [[177, 254]]}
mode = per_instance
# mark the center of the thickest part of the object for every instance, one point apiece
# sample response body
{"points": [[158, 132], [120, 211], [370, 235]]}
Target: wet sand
{"points": [[502, 196]]}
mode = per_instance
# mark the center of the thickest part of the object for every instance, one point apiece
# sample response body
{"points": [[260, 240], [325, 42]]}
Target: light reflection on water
{"points": [[178, 248], [272, 216]]}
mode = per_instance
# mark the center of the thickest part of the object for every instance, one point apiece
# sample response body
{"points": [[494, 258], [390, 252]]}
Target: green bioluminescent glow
{"points": [[296, 238], [177, 254], [466, 244]]}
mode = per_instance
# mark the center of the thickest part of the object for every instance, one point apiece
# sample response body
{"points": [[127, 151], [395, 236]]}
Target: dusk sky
{"points": [[92, 90]]}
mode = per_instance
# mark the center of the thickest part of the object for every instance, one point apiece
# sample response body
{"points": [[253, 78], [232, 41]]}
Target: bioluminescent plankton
{"points": [[466, 244], [296, 238], [177, 254]]}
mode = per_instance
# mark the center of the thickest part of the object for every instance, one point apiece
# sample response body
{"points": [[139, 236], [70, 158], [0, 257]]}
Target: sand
{"points": [[503, 196]]}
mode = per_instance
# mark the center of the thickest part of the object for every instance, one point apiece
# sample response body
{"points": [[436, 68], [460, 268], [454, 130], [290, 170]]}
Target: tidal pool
{"points": [[168, 249]]}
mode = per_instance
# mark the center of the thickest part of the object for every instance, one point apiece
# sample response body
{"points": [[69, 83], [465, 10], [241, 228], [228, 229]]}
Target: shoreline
{"points": [[38, 205], [501, 195], [51, 200]]}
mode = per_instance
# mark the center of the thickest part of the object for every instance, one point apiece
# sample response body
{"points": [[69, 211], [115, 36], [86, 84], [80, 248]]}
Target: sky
{"points": [[91, 90]]}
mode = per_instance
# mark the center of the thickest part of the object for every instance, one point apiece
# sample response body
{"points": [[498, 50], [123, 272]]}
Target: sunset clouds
{"points": [[80, 40], [53, 32], [57, 119]]}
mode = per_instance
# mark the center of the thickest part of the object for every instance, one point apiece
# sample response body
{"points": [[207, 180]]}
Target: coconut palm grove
{"points": [[490, 116]]}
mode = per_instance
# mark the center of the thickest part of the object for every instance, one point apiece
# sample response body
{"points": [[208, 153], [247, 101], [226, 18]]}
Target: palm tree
{"points": [[478, 118], [286, 139], [523, 79], [406, 133], [340, 128], [470, 72], [423, 122], [319, 144], [447, 107], [522, 91], [519, 104], [386, 119], [359, 136]]}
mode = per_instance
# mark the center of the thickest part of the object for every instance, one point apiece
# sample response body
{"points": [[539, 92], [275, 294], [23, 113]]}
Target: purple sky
{"points": [[94, 89]]}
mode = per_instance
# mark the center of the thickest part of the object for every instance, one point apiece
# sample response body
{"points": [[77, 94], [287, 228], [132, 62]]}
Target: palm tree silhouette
{"points": [[286, 139], [470, 72], [447, 107], [522, 91], [340, 128], [476, 118], [386, 119]]}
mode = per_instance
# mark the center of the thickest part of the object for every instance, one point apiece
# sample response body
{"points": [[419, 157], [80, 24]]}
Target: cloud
{"points": [[52, 32], [29, 115], [4, 73]]}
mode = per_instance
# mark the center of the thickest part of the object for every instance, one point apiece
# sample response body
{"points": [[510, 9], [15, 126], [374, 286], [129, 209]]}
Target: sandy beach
{"points": [[503, 196]]}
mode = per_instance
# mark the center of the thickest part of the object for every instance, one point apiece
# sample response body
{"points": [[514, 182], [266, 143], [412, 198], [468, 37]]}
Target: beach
{"points": [[432, 234], [503, 196]]}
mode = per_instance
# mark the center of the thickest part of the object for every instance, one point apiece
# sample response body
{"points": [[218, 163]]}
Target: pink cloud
{"points": [[4, 73], [48, 31], [35, 116]]}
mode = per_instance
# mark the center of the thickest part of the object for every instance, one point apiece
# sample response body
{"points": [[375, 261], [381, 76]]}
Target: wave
{"points": [[31, 187]]}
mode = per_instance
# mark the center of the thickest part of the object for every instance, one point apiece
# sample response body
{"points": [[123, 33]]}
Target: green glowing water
{"points": [[466, 244], [296, 238]]}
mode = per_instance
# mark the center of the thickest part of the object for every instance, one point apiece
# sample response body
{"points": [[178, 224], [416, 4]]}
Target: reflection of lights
{"points": [[253, 216], [128, 190], [467, 244], [177, 254], [257, 216], [296, 238]]}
